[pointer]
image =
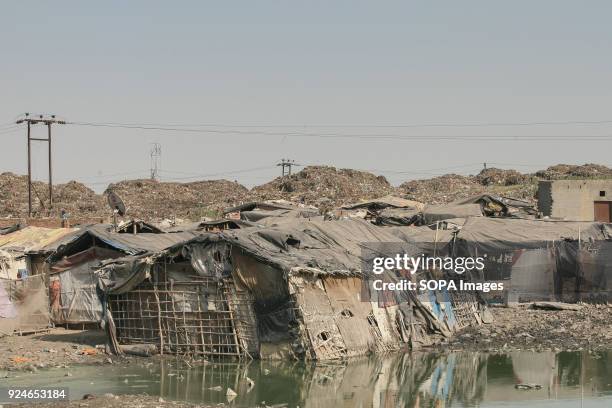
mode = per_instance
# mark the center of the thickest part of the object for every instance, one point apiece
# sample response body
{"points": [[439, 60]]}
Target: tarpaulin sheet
{"points": [[129, 244], [433, 213], [386, 202], [79, 299], [24, 305]]}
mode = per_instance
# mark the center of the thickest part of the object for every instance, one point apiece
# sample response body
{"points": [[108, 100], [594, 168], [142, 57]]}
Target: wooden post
{"points": [[159, 323]]}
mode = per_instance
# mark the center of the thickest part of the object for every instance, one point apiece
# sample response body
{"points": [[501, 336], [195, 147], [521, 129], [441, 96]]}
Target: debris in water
{"points": [[230, 394], [528, 386]]}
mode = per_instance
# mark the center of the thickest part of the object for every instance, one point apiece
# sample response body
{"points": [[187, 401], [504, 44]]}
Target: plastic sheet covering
{"points": [[209, 260], [78, 296], [433, 213], [7, 308], [23, 305], [532, 276], [541, 260], [123, 275], [397, 216], [386, 202], [594, 276]]}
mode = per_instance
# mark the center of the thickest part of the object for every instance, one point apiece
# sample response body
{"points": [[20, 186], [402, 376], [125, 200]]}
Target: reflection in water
{"points": [[408, 380]]}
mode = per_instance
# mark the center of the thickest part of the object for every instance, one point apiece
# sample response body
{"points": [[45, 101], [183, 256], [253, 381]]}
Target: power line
{"points": [[398, 125], [141, 172], [9, 131], [374, 137], [221, 173]]}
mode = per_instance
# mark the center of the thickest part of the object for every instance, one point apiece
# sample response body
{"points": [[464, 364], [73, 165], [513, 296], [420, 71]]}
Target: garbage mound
{"points": [[441, 189], [73, 197], [149, 199], [561, 171], [453, 187], [324, 186], [501, 177]]}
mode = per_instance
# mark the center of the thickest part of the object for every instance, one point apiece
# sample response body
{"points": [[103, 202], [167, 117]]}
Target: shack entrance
{"points": [[603, 211]]}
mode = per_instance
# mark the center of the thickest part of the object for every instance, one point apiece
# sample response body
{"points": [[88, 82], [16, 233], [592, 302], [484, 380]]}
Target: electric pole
{"points": [[47, 120], [155, 160], [286, 165]]}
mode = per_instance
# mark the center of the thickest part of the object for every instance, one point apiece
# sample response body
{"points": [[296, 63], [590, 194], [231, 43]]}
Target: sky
{"points": [[390, 87]]}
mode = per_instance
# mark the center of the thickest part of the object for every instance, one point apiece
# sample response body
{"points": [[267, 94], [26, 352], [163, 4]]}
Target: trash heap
{"points": [[453, 187], [73, 197], [561, 171], [324, 186], [501, 177], [150, 199]]}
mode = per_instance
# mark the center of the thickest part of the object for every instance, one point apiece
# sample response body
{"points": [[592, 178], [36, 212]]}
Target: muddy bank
{"points": [[117, 401], [520, 328], [57, 348], [526, 328]]}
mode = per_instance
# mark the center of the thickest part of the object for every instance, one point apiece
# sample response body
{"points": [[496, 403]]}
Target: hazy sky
{"points": [[257, 66]]}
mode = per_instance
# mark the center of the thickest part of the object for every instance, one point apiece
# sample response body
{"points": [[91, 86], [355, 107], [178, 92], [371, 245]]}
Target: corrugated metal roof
{"points": [[32, 239]]}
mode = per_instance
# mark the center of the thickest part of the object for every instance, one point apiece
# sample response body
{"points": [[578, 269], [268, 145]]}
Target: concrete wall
{"points": [[572, 199]]}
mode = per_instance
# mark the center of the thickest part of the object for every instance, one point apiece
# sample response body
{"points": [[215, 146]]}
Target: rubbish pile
{"points": [[74, 197], [528, 328], [561, 171], [324, 187], [453, 187], [442, 189], [501, 177], [150, 199]]}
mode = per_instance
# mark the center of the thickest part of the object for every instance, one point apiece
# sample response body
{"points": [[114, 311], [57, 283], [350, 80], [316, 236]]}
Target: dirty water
{"points": [[567, 379]]}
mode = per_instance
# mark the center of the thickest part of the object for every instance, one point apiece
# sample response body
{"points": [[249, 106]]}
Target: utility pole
{"points": [[286, 164], [155, 160], [48, 121]]}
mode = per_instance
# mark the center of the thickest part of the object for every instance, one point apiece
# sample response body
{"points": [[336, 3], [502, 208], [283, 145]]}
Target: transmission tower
{"points": [[286, 165], [155, 160]]}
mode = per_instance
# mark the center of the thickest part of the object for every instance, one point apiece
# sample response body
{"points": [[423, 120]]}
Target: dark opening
{"points": [[293, 242], [324, 335], [602, 193], [347, 313]]}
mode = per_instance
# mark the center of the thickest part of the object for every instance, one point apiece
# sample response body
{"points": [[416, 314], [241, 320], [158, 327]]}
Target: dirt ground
{"points": [[57, 348], [117, 401], [524, 328]]}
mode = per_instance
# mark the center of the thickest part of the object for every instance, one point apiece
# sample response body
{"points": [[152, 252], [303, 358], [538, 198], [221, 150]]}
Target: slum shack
{"points": [[24, 301], [211, 225], [294, 290], [499, 206], [274, 209], [486, 205], [24, 306], [373, 209], [16, 246], [72, 282], [540, 259]]}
